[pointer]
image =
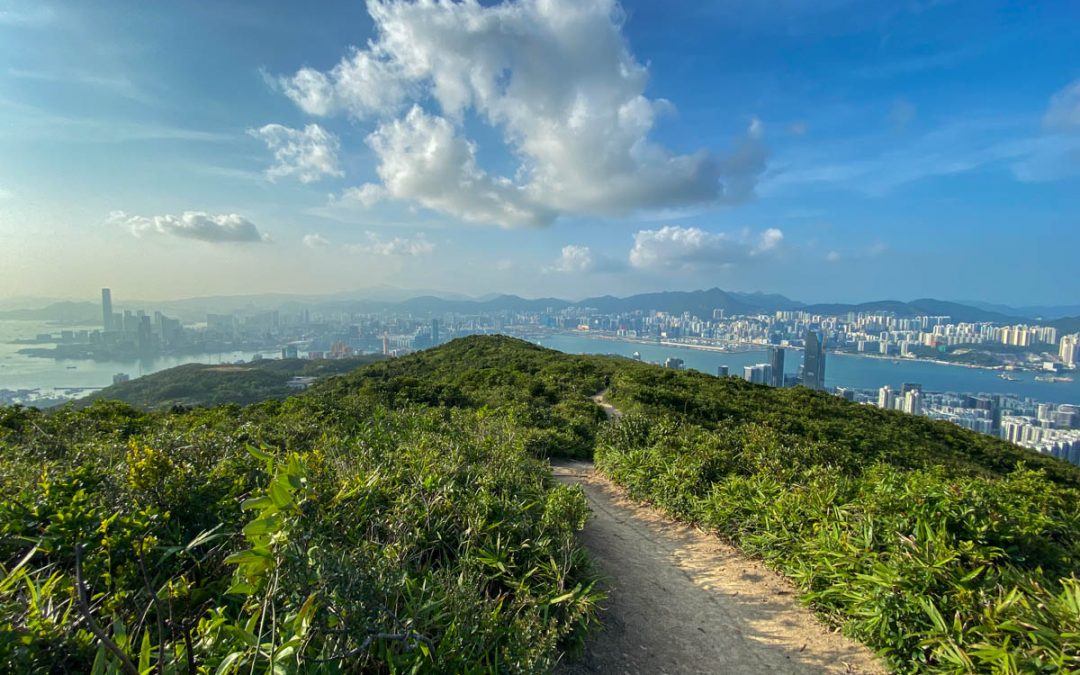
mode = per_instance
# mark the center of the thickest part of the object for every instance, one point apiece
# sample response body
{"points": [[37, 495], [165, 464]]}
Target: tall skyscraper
{"points": [[813, 369], [776, 360], [106, 309], [434, 332]]}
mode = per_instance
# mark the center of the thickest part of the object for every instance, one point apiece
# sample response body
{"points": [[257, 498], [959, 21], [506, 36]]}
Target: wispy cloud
{"points": [[26, 14], [315, 240], [397, 247], [1063, 113], [952, 149], [114, 85], [37, 123]]}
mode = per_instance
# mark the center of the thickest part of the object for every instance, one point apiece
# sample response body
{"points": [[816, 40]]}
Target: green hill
{"points": [[400, 517], [197, 384]]}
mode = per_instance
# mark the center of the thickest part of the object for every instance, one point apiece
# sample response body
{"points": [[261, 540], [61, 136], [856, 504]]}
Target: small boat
{"points": [[1052, 378], [72, 367], [1008, 378]]}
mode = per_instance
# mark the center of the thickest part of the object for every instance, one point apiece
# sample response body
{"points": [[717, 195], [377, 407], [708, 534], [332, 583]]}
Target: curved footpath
{"points": [[682, 601]]}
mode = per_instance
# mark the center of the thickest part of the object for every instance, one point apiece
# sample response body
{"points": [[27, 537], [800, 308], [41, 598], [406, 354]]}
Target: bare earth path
{"points": [[681, 601]]}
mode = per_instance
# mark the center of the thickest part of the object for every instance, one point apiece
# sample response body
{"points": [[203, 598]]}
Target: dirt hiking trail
{"points": [[682, 601]]}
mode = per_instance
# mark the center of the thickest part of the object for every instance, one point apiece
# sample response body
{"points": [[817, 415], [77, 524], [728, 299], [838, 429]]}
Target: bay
{"points": [[841, 370], [18, 371]]}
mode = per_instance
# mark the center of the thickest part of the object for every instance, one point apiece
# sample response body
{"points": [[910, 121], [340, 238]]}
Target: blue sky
{"points": [[833, 150]]}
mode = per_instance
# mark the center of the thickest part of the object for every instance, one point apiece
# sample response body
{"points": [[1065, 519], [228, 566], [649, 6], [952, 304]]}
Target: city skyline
{"points": [[826, 151]]}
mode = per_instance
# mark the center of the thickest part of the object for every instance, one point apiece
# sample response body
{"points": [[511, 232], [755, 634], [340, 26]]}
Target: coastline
{"points": [[754, 346]]}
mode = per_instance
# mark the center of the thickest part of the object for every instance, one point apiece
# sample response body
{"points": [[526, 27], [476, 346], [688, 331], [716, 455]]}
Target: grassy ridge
{"points": [[198, 384], [944, 550]]}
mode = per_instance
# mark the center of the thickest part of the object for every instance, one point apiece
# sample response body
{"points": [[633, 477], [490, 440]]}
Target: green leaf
{"points": [[144, 652], [281, 495], [240, 588], [257, 503], [100, 662], [259, 454], [263, 526], [226, 665], [251, 555]]}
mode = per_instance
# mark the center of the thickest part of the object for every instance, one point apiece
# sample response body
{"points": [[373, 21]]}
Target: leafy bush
{"points": [[939, 569], [303, 535]]}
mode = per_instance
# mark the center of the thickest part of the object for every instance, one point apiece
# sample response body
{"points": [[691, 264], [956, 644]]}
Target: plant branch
{"points": [[84, 609]]}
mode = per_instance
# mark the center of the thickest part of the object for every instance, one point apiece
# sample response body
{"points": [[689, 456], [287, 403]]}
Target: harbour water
{"points": [[52, 376], [841, 370], [18, 371]]}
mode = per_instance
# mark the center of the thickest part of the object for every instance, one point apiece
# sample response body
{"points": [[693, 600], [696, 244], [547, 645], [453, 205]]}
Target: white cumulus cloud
{"points": [[398, 247], [423, 158], [223, 228], [573, 259], [687, 248], [309, 153], [557, 80], [316, 240]]}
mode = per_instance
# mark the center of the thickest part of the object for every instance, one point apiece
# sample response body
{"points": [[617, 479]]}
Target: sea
{"points": [[75, 377], [841, 370]]}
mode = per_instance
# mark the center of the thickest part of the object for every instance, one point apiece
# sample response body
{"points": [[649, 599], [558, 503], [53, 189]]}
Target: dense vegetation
{"points": [[198, 384], [342, 529], [400, 518], [944, 550]]}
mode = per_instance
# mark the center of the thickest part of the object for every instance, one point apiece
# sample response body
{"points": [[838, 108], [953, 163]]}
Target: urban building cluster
{"points": [[1052, 429], [318, 334]]}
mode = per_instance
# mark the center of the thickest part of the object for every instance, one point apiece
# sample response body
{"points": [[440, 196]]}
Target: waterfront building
{"points": [[776, 362], [913, 402], [886, 398], [760, 373], [1070, 350], [813, 370], [106, 309]]}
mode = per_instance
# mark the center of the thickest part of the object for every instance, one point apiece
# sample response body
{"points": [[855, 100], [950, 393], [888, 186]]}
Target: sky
{"points": [[831, 150]]}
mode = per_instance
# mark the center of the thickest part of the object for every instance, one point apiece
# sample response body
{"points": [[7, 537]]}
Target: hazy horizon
{"points": [[829, 152]]}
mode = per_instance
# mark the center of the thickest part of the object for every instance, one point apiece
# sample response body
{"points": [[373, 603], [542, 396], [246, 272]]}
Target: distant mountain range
{"points": [[701, 303]]}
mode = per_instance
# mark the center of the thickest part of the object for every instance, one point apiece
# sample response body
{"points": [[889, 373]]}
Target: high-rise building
{"points": [[910, 386], [813, 369], [1070, 350], [913, 402], [434, 332], [721, 371], [886, 399], [776, 361], [106, 309], [758, 374]]}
